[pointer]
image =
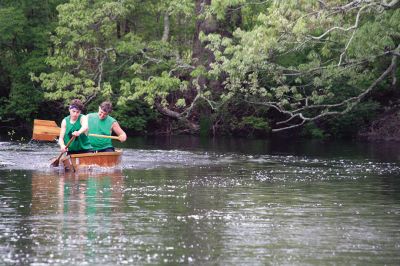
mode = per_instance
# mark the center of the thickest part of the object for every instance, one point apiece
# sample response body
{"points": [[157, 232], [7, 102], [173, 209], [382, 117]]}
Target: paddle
{"points": [[45, 130], [104, 136], [49, 131], [56, 161]]}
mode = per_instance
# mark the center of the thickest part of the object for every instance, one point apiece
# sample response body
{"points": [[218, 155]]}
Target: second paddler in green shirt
{"points": [[75, 125], [101, 123]]}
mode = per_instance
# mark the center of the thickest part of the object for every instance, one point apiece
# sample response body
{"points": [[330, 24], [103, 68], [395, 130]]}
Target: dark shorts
{"points": [[79, 152], [107, 150]]}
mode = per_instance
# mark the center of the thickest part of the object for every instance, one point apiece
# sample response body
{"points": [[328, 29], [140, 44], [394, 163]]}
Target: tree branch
{"points": [[390, 4], [173, 114], [341, 28], [349, 103]]}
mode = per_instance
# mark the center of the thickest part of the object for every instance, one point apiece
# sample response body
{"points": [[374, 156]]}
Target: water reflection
{"points": [[80, 192], [76, 208], [382, 151]]}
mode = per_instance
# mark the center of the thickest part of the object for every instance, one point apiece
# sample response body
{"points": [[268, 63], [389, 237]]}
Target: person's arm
{"points": [[84, 126], [62, 134], [119, 132]]}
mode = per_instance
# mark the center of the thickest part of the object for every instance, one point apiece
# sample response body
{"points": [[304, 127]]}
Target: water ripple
{"points": [[265, 168]]}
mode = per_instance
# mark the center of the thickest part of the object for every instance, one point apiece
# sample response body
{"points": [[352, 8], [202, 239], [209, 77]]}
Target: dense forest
{"points": [[313, 68]]}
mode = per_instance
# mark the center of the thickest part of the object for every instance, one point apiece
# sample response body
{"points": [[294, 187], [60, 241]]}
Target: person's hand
{"points": [[121, 138], [76, 133], [63, 148]]}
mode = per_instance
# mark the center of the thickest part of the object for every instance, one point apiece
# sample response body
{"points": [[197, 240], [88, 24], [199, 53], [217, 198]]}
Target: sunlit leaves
{"points": [[377, 35], [131, 44], [105, 49], [61, 85], [84, 43], [149, 90], [290, 53], [219, 7], [176, 7], [180, 103], [294, 51]]}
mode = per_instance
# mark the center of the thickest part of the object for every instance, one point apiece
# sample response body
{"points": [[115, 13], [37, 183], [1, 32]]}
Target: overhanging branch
{"points": [[325, 110]]}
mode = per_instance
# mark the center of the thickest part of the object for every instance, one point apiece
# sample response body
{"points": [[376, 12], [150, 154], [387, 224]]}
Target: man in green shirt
{"points": [[75, 125], [102, 123]]}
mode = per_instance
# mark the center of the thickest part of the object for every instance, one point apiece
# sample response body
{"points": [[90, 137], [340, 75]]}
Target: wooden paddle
{"points": [[56, 161], [48, 130], [45, 130], [104, 136]]}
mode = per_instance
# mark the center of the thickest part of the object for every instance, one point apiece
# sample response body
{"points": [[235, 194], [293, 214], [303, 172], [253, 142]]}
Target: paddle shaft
{"points": [[104, 136], [48, 130]]}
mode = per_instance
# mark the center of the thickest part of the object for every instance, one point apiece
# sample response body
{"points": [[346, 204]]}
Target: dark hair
{"points": [[76, 104], [106, 107]]}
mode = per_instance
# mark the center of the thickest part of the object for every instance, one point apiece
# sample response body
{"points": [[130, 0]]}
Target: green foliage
{"points": [[110, 50], [149, 90], [380, 33], [134, 115], [219, 7], [348, 125], [286, 56], [299, 54], [24, 43], [12, 24], [205, 125], [255, 122], [311, 130], [84, 44]]}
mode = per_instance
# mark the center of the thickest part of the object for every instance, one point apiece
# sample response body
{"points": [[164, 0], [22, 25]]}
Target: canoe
{"points": [[99, 159]]}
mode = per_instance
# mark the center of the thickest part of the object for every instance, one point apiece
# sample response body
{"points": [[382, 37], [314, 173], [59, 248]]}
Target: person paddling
{"points": [[75, 125], [101, 123]]}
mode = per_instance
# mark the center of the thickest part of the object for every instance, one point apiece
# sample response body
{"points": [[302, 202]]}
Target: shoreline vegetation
{"points": [[319, 69]]}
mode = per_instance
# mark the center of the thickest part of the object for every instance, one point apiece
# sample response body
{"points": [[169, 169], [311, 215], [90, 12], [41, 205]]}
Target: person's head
{"points": [[105, 108], [75, 108]]}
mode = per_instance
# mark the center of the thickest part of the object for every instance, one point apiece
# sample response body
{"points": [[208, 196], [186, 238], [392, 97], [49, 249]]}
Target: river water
{"points": [[185, 200]]}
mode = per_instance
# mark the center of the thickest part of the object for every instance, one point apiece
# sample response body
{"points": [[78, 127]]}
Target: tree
{"points": [[126, 51], [114, 50], [309, 60], [24, 31], [241, 63]]}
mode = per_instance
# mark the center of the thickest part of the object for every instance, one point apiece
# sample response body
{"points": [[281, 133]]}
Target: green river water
{"points": [[192, 201]]}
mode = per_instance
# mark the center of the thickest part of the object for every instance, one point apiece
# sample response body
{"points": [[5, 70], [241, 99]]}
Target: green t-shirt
{"points": [[101, 127], [80, 143]]}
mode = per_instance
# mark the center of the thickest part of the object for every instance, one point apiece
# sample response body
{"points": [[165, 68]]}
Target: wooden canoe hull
{"points": [[101, 159]]}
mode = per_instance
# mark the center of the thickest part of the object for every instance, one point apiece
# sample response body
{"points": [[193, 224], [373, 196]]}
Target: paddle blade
{"points": [[55, 162], [46, 130]]}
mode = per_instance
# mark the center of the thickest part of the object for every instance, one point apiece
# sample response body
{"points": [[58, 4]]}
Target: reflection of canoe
{"points": [[102, 159], [53, 193]]}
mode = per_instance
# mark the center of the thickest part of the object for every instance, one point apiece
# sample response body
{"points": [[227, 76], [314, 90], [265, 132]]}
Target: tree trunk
{"points": [[165, 36], [202, 56]]}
